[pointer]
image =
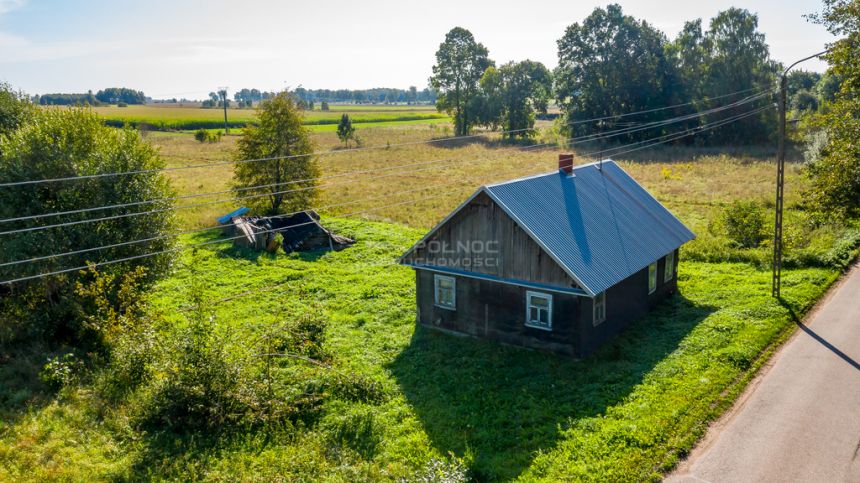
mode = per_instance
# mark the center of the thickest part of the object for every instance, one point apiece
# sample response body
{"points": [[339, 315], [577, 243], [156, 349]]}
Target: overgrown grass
{"points": [[625, 414]]}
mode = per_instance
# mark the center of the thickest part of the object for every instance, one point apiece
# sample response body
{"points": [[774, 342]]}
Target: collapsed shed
{"points": [[299, 232]]}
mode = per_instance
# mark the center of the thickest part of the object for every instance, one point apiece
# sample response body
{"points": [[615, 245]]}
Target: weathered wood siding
{"points": [[497, 311], [626, 302], [483, 238]]}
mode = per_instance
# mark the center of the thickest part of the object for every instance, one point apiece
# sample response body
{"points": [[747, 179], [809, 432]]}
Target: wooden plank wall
{"points": [[482, 223]]}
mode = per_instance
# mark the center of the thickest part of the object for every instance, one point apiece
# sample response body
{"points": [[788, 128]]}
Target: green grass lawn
{"points": [[627, 413]]}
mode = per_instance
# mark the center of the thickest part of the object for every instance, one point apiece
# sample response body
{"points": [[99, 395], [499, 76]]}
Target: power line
{"points": [[202, 230], [666, 138], [328, 153], [665, 108], [567, 142], [220, 240], [269, 287]]}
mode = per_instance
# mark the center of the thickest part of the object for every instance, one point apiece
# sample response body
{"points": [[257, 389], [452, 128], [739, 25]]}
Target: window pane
{"points": [[533, 313], [544, 317], [540, 302]]}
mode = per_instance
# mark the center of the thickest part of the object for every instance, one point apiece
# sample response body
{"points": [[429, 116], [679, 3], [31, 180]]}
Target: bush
{"points": [[61, 371], [744, 223], [121, 104], [203, 136], [70, 143], [15, 109]]}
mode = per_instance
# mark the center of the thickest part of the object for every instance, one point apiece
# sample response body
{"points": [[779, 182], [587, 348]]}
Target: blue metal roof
{"points": [[600, 225]]}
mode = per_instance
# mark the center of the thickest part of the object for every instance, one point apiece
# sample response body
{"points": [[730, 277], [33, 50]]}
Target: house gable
{"points": [[480, 237]]}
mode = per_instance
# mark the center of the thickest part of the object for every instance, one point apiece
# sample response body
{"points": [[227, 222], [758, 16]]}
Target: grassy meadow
{"points": [[189, 117], [627, 413]]}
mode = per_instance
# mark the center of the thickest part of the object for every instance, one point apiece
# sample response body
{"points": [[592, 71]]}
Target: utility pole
{"points": [[222, 91], [780, 177]]}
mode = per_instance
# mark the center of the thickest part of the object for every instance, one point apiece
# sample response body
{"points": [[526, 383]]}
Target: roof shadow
{"points": [[503, 404]]}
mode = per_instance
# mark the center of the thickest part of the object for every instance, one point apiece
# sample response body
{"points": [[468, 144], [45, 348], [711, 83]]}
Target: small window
{"points": [[599, 308], [445, 292], [652, 278], [669, 269], [539, 310]]}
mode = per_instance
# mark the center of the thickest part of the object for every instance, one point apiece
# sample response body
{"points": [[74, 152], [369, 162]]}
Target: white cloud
{"points": [[7, 6]]}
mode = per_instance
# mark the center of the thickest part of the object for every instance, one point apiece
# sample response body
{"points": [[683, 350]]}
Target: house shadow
{"points": [[497, 405]]}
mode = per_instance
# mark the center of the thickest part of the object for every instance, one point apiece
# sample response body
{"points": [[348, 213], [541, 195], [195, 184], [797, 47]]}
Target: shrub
{"points": [[744, 223], [202, 135], [121, 104], [61, 371], [69, 143], [201, 390], [15, 109]]}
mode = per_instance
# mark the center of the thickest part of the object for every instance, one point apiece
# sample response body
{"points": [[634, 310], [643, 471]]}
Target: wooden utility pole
{"points": [[780, 177], [222, 91]]}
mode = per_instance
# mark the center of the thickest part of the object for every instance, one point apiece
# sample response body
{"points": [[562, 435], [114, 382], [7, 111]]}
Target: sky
{"points": [[173, 48]]}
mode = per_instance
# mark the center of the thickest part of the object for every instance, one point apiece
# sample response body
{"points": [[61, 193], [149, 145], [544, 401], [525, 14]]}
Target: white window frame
{"points": [[439, 278], [652, 278], [669, 267], [598, 301], [538, 325]]}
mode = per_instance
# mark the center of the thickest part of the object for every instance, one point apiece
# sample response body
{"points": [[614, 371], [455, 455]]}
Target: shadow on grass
{"points": [[498, 405], [480, 140], [21, 388]]}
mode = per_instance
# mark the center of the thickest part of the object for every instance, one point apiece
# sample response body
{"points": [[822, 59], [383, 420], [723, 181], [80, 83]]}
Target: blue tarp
{"points": [[226, 218]]}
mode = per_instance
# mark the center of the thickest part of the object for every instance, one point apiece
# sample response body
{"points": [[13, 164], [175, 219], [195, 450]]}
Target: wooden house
{"points": [[559, 261]]}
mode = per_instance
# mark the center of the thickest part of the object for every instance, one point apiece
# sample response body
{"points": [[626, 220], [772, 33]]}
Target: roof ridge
{"points": [[548, 173]]}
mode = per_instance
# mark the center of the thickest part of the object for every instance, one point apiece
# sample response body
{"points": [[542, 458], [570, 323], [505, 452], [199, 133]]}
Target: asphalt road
{"points": [[800, 419]]}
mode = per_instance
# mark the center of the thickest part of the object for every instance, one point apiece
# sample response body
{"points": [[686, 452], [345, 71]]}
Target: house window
{"points": [[599, 315], [669, 269], [539, 310], [445, 292], [652, 277]]}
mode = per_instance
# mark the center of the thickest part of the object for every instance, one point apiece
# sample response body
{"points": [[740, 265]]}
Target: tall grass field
{"points": [[443, 407]]}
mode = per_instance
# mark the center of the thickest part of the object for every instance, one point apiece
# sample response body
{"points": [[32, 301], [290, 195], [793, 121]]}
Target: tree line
{"points": [[111, 95], [611, 64]]}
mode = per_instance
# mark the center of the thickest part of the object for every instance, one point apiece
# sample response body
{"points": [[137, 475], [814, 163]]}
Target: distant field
{"points": [[173, 117]]}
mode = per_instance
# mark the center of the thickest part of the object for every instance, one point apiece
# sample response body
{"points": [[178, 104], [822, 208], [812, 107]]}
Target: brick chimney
{"points": [[565, 163]]}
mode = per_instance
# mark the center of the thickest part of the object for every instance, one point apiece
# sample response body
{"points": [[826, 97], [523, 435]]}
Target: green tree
{"points": [[74, 143], [460, 63], [526, 87], [15, 109], [739, 59], [282, 140], [827, 87], [486, 107], [609, 65], [835, 174], [345, 129]]}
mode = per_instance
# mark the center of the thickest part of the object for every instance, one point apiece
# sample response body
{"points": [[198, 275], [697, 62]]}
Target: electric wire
{"points": [[567, 142], [332, 152], [210, 242], [665, 138]]}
